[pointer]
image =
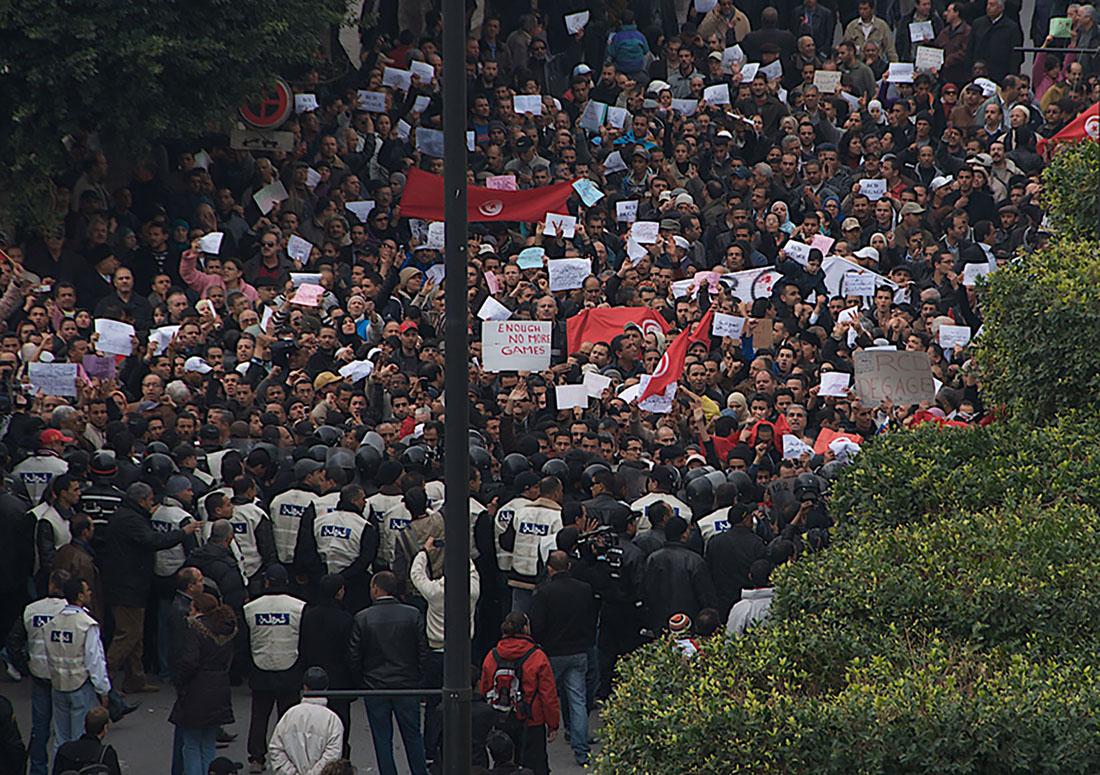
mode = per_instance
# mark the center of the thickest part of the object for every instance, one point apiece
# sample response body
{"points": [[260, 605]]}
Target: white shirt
{"points": [[433, 592], [307, 738], [749, 610]]}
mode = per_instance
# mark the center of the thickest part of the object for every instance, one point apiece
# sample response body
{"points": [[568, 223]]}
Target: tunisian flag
{"points": [[602, 324], [1085, 127], [671, 365], [423, 198]]}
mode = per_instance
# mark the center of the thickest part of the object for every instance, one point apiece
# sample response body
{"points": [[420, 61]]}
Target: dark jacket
{"points": [[85, 750], [326, 628], [131, 546], [13, 754], [995, 43], [729, 555], [219, 565], [201, 674], [676, 581], [563, 615], [178, 612], [388, 646]]}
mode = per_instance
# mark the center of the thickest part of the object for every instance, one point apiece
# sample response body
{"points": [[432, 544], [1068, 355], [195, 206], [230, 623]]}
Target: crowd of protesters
{"points": [[254, 492]]}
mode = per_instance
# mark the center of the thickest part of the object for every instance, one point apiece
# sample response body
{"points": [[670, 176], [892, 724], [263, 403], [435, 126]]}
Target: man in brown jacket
{"points": [[78, 559], [954, 39]]}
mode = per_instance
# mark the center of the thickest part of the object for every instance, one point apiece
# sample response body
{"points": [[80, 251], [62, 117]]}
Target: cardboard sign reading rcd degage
{"points": [[515, 345], [902, 377]]}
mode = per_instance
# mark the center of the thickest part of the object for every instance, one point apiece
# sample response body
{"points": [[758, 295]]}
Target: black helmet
{"points": [[480, 459], [556, 467], [342, 458], [103, 463], [717, 478], [695, 473], [700, 495], [416, 458], [157, 448], [328, 435], [741, 481], [157, 467], [78, 461], [590, 472], [367, 460], [319, 452], [374, 439], [831, 470], [476, 439], [512, 466], [806, 487]]}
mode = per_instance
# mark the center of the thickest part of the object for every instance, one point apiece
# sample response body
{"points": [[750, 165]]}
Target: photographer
{"points": [[812, 511]]}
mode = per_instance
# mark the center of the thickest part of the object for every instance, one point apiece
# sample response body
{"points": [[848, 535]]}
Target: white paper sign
{"points": [[558, 225], [660, 403], [493, 310], [304, 103], [856, 284], [471, 141], [827, 81], [719, 94], [928, 59], [162, 337], [313, 177], [501, 182], [435, 234], [211, 243], [53, 379], [270, 195], [515, 345], [436, 273], [595, 113], [422, 70], [645, 232], [617, 117], [873, 188], [727, 325], [921, 31], [686, 107], [835, 383], [356, 370], [596, 383], [634, 251], [114, 337], [567, 274], [299, 249], [614, 163], [421, 103], [298, 279], [900, 72], [569, 396], [772, 70], [372, 101], [403, 129], [794, 447], [397, 79], [703, 6], [626, 212], [971, 273], [588, 191], [798, 251], [954, 335], [361, 209], [430, 141], [527, 103], [749, 71], [575, 22], [732, 55]]}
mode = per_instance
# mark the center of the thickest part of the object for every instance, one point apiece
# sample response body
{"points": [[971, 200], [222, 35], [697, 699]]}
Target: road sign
{"points": [[255, 140], [272, 110]]}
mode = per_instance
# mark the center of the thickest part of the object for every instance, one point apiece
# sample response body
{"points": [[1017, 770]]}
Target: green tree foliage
{"points": [[1071, 189], [137, 71]]}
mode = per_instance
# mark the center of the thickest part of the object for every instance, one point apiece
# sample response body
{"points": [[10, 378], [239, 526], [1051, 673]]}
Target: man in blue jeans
{"points": [[388, 649], [563, 622]]}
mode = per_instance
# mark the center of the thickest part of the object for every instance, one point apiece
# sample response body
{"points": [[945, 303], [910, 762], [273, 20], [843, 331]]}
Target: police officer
{"points": [[288, 508], [381, 508], [172, 513], [254, 533], [101, 498], [29, 635], [536, 526], [39, 469], [526, 484], [717, 521], [347, 545], [51, 528], [335, 478], [604, 487], [663, 482], [76, 663], [273, 623]]}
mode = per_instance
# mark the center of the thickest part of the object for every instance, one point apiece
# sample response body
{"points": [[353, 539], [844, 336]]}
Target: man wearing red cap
{"points": [[39, 469]]}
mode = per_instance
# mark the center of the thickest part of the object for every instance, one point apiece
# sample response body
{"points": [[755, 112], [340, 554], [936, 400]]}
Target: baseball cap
{"points": [[911, 208], [850, 223], [324, 379], [582, 69], [868, 252], [177, 484], [223, 766], [683, 199], [53, 436], [408, 325], [669, 224], [305, 467], [523, 143], [526, 479], [197, 364], [940, 181], [656, 87], [723, 134]]}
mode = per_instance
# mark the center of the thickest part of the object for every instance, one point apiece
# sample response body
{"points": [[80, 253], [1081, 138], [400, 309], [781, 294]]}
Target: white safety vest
{"points": [[214, 463], [274, 622], [536, 524], [35, 618], [714, 523], [390, 515], [65, 635], [168, 516], [327, 502], [476, 509], [505, 515], [61, 532], [679, 508], [436, 493], [338, 535], [200, 509], [246, 518], [36, 473], [287, 510]]}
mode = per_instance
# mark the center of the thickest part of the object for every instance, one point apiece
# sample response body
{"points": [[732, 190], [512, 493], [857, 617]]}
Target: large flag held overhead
{"points": [[671, 365], [1085, 127], [602, 324], [423, 198]]}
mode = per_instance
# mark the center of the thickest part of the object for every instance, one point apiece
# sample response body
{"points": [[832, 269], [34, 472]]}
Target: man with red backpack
{"points": [[518, 682]]}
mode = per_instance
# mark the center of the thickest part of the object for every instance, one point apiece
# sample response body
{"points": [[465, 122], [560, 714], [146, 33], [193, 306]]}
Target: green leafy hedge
{"points": [[1071, 189]]}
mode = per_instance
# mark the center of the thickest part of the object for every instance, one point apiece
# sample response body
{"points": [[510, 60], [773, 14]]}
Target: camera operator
{"points": [[812, 510]]}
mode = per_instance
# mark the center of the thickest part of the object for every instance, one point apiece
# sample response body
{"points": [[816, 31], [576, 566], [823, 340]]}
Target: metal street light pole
{"points": [[456, 516]]}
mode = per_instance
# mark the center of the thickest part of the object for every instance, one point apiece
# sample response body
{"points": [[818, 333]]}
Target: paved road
{"points": [[144, 738]]}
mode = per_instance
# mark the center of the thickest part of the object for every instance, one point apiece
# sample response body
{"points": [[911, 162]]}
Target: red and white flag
{"points": [[1085, 127], [671, 366], [423, 198], [602, 324]]}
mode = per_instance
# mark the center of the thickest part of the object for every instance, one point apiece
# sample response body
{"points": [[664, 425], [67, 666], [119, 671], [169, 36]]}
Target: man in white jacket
{"points": [[309, 735]]}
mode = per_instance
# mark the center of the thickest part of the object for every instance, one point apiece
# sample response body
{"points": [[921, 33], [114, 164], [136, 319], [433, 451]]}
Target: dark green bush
{"points": [[1071, 189]]}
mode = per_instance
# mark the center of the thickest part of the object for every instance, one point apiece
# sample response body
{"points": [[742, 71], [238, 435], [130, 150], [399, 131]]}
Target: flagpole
{"points": [[456, 516]]}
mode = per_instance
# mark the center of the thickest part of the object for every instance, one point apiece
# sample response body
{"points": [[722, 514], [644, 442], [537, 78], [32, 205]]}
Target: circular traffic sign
{"points": [[272, 109]]}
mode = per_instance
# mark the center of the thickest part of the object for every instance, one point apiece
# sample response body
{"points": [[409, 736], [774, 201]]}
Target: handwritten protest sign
{"points": [[900, 376], [53, 379], [114, 337], [515, 345], [568, 273]]}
